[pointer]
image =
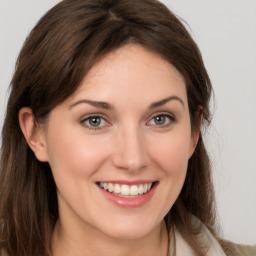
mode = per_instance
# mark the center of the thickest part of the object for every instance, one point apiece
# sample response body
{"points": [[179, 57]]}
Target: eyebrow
{"points": [[97, 104], [108, 106], [164, 101]]}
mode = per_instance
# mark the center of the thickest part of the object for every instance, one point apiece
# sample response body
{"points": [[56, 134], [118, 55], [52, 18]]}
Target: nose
{"points": [[130, 151]]}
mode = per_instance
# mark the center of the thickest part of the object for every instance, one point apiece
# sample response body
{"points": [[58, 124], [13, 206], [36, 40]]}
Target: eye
{"points": [[94, 122], [161, 120]]}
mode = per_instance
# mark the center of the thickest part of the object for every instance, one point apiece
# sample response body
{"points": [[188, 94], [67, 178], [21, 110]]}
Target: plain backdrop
{"points": [[225, 31]]}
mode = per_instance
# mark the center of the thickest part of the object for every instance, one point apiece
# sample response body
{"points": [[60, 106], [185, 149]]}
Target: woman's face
{"points": [[120, 145]]}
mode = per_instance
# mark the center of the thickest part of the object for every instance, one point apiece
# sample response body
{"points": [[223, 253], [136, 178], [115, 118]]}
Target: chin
{"points": [[130, 231], [128, 234]]}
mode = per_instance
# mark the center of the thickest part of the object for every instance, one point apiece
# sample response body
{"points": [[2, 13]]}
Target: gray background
{"points": [[225, 31]]}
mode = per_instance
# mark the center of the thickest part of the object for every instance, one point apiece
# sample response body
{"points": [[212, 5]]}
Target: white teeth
{"points": [[117, 189], [126, 190], [134, 190], [110, 187], [105, 186], [141, 190], [145, 188]]}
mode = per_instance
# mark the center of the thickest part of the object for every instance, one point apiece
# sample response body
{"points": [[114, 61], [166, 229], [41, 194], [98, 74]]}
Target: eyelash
{"points": [[89, 118]]}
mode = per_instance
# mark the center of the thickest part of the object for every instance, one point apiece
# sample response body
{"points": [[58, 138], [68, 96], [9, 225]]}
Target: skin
{"points": [[128, 144]]}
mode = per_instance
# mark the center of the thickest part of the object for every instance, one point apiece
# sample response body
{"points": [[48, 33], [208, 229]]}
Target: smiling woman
{"points": [[114, 152], [105, 151]]}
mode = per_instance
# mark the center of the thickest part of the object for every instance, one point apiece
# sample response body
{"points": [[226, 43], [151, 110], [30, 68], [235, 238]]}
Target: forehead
{"points": [[129, 71]]}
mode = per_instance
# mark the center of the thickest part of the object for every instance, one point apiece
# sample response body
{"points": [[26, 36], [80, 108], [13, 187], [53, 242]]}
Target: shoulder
{"points": [[247, 250], [231, 248]]}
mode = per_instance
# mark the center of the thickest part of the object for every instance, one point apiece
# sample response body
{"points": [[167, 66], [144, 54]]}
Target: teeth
{"points": [[134, 190], [117, 189], [126, 190], [141, 190], [145, 188], [105, 186], [110, 187]]}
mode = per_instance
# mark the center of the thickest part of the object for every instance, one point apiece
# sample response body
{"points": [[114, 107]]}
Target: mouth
{"points": [[126, 190]]}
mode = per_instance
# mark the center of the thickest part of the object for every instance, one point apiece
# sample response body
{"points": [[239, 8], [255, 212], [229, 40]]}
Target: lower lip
{"points": [[129, 202]]}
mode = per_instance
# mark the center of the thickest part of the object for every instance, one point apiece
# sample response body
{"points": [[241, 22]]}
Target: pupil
{"points": [[160, 120], [94, 121]]}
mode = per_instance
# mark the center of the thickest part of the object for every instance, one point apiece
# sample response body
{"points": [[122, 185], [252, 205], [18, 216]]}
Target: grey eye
{"points": [[94, 122], [160, 120]]}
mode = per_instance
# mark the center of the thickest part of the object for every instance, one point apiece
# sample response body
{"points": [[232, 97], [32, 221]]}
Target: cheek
{"points": [[171, 158], [74, 158], [74, 154], [172, 152]]}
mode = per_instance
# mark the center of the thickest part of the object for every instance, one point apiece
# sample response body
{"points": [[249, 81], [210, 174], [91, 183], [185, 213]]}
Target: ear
{"points": [[33, 133], [195, 134]]}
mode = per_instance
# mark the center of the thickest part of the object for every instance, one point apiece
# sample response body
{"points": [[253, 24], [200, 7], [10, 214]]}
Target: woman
{"points": [[102, 152]]}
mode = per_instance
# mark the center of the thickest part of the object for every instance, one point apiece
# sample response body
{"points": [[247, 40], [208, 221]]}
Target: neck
{"points": [[95, 243]]}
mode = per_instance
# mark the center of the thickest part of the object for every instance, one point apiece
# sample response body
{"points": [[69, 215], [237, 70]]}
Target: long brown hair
{"points": [[57, 54]]}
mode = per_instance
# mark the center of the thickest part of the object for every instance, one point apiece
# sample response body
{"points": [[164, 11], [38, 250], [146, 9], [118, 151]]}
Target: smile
{"points": [[128, 194], [125, 190]]}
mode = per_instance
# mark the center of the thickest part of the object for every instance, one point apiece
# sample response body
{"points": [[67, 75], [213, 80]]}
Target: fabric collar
{"points": [[179, 247]]}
